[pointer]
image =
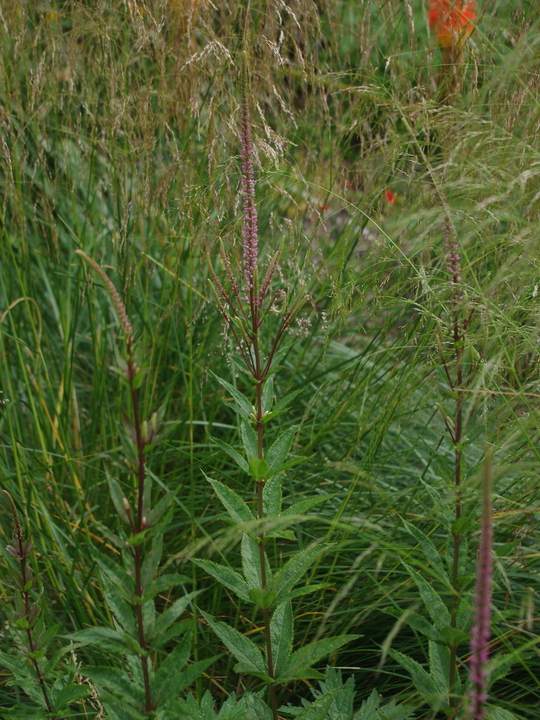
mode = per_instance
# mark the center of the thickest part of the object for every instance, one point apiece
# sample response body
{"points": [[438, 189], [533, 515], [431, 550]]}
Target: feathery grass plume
{"points": [[480, 631]]}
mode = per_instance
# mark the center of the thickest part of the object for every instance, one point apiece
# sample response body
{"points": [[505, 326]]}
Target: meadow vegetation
{"points": [[157, 445]]}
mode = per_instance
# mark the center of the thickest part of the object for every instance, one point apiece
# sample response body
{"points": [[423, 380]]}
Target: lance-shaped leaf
{"points": [[120, 608], [249, 656], [116, 682], [249, 440], [70, 694], [281, 634], [166, 619], [241, 404], [303, 506], [255, 708], [434, 605], [107, 639], [167, 679], [299, 664], [429, 550], [439, 666], [318, 710], [279, 450], [232, 453], [233, 503], [226, 576], [117, 497], [251, 563], [293, 571], [272, 496], [267, 394], [422, 680]]}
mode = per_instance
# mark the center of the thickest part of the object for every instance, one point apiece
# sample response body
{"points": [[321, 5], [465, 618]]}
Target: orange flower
{"points": [[390, 197], [451, 20]]}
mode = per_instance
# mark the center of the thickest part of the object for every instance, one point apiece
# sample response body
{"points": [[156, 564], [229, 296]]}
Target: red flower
{"points": [[390, 197], [451, 20]]}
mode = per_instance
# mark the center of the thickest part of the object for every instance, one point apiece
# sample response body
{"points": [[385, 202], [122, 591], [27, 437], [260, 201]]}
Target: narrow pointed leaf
{"points": [[241, 403], [277, 453], [293, 570], [422, 680], [171, 614], [249, 440], [244, 650], [434, 605], [226, 576], [272, 497], [428, 548], [232, 453], [306, 656], [233, 503], [281, 633]]}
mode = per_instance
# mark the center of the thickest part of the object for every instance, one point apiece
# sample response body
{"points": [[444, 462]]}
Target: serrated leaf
{"points": [[437, 610], [439, 665], [303, 506], [293, 570], [430, 551], [251, 563], [256, 709], [318, 710], [121, 610], [302, 660], [164, 506], [498, 713], [281, 634], [419, 623], [279, 450], [117, 497], [174, 662], [454, 636], [70, 694], [272, 497], [22, 712], [232, 453], [244, 650], [226, 576], [241, 404], [107, 639], [151, 562], [421, 679], [162, 583], [249, 440], [233, 503], [171, 614], [267, 394], [115, 681]]}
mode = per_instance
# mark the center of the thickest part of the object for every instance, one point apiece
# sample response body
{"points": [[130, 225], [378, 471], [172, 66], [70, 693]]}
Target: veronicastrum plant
{"points": [[154, 646], [249, 305]]}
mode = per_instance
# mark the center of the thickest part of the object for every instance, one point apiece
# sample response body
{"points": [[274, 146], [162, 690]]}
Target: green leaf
{"points": [[163, 583], [262, 598], [249, 440], [151, 562], [281, 634], [241, 404], [430, 551], [434, 605], [439, 665], [421, 679], [107, 639], [70, 694], [165, 505], [293, 570], [115, 681], [258, 469], [318, 710], [226, 576], [297, 667], [498, 713], [280, 449], [272, 497], [117, 497], [454, 636], [231, 452], [256, 709], [284, 402], [166, 619], [267, 394], [174, 662], [251, 563], [121, 610], [249, 656], [303, 506], [305, 590], [419, 623], [233, 503]]}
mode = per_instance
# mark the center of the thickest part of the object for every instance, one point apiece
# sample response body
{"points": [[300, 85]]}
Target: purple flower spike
{"points": [[482, 608], [250, 234]]}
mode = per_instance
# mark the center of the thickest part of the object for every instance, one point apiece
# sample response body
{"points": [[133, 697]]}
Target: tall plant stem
{"points": [[139, 524], [260, 486], [457, 441]]}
